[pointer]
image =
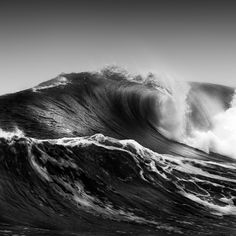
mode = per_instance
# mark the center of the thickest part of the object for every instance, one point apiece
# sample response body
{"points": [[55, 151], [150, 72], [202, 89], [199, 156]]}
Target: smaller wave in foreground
{"points": [[73, 180]]}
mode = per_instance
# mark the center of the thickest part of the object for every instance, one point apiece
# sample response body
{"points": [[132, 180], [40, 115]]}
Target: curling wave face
{"points": [[141, 174], [151, 112]]}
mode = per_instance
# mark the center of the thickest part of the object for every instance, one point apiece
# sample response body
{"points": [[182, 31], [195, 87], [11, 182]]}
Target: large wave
{"points": [[151, 112], [143, 154]]}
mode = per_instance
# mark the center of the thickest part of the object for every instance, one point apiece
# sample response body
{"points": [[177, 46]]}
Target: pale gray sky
{"points": [[190, 40]]}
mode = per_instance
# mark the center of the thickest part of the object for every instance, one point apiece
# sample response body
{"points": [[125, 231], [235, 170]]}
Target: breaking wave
{"points": [[111, 153]]}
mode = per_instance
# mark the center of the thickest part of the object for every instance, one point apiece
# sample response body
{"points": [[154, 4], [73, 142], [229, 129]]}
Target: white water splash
{"points": [[58, 81], [10, 134], [221, 138], [175, 122]]}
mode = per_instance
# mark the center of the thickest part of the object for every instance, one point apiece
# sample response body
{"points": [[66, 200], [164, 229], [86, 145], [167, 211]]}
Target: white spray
{"points": [[172, 105], [175, 123], [222, 136]]}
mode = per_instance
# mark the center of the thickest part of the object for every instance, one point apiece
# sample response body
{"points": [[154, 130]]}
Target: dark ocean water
{"points": [[91, 154]]}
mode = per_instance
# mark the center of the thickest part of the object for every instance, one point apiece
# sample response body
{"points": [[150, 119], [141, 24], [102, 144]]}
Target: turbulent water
{"points": [[111, 154]]}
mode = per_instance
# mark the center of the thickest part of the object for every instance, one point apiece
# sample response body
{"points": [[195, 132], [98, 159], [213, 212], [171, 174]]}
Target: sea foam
{"points": [[221, 137]]}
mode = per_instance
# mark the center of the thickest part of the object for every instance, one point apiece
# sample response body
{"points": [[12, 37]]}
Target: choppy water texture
{"points": [[109, 154]]}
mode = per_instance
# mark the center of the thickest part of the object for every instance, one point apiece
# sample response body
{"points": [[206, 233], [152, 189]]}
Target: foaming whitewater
{"points": [[110, 153], [175, 121], [9, 135], [221, 137]]}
